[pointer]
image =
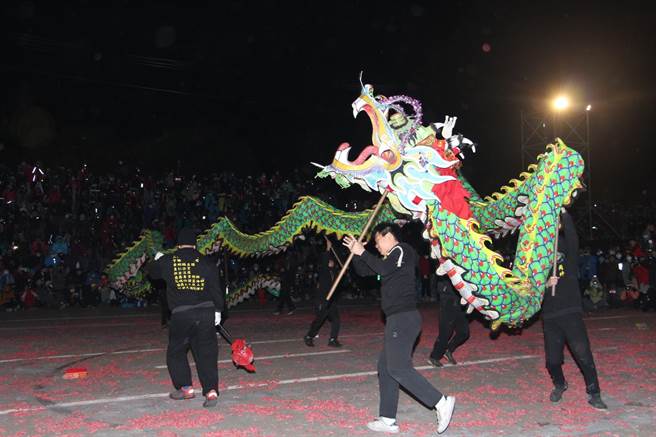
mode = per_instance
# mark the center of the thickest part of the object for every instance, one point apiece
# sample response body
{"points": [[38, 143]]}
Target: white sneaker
{"points": [[379, 426], [444, 411]]}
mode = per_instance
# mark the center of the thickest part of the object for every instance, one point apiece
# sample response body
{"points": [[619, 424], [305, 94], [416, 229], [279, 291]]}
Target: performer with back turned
{"points": [[195, 298]]}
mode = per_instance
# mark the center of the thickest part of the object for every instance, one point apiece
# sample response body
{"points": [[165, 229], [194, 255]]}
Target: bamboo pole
{"points": [[332, 249], [555, 258], [225, 272], [360, 238]]}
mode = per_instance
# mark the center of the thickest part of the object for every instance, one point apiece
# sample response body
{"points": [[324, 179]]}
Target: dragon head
{"points": [[405, 157]]}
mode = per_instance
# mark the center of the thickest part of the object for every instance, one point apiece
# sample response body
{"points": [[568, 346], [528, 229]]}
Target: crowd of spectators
{"points": [[60, 227], [615, 275]]}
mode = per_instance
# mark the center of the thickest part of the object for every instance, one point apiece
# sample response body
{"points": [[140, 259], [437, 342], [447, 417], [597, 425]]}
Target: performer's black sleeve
{"points": [[571, 243], [322, 263], [214, 284], [361, 268], [154, 270], [325, 279], [383, 266]]}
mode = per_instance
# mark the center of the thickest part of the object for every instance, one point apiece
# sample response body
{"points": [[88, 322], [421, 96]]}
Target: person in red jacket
{"points": [[425, 274], [28, 296], [641, 275]]}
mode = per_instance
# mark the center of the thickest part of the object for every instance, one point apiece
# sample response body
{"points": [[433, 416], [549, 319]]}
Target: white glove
{"points": [[447, 129], [158, 255], [217, 318]]}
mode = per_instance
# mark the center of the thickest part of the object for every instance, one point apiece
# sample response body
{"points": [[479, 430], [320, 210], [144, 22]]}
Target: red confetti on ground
{"points": [[72, 422], [175, 419], [248, 432], [509, 397]]}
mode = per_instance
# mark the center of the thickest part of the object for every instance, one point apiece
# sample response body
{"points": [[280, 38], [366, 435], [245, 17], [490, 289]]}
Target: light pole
{"points": [[570, 121], [560, 105], [589, 162]]}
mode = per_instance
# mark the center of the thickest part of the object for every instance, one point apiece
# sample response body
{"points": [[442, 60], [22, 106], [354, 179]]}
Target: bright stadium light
{"points": [[589, 107], [561, 103]]}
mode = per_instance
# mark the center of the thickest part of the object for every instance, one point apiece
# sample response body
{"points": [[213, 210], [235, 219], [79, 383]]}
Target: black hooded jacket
{"points": [[567, 299], [192, 280], [327, 276], [398, 277]]}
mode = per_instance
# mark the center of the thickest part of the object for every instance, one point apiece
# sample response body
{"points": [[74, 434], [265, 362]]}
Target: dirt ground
{"points": [[500, 383]]}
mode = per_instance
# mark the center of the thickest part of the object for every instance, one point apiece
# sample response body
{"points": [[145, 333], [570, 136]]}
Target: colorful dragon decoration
{"points": [[418, 166], [308, 213]]}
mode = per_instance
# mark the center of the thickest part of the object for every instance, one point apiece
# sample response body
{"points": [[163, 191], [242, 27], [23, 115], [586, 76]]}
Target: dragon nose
{"points": [[388, 156]]}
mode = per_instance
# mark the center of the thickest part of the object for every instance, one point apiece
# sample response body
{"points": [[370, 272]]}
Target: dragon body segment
{"points": [[307, 213], [270, 283], [421, 172], [509, 296]]}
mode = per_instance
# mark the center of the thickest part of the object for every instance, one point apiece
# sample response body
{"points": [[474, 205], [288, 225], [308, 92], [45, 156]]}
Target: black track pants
{"points": [[395, 365], [452, 319], [569, 329], [193, 329], [325, 310]]}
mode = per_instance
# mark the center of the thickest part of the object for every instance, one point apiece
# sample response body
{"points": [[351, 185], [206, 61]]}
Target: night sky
{"points": [[257, 86]]}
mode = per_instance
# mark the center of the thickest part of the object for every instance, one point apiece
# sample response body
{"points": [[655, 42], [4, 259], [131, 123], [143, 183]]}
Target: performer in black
{"points": [[397, 269], [325, 309], [159, 286], [165, 312], [562, 315], [287, 276], [452, 320], [195, 298]]}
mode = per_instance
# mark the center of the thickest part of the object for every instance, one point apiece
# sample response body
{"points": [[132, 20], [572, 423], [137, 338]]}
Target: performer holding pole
{"points": [[403, 324], [195, 297], [562, 317], [325, 309]]}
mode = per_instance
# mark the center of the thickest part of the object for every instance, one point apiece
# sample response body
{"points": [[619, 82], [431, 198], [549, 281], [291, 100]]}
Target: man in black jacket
{"points": [[562, 316], [454, 326], [287, 276], [397, 270], [195, 298], [325, 309]]}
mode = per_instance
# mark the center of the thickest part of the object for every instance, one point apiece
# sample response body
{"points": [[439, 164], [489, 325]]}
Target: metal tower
{"points": [[571, 126]]}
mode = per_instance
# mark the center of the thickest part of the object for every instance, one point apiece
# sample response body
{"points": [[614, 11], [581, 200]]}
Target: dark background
{"points": [[257, 86]]}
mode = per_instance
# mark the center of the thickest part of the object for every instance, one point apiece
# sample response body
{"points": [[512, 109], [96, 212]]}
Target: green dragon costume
{"points": [[420, 171], [307, 213], [418, 165]]}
